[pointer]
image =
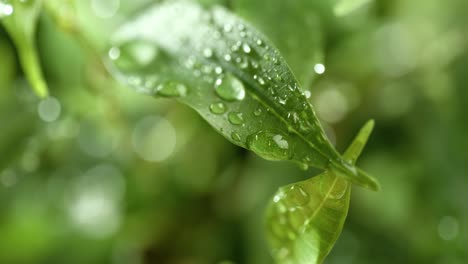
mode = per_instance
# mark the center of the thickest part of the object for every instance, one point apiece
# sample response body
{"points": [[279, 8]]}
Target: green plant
{"points": [[235, 78]]}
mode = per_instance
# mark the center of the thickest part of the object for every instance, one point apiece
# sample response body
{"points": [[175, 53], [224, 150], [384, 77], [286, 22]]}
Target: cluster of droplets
{"points": [[288, 217], [294, 205], [136, 58]]}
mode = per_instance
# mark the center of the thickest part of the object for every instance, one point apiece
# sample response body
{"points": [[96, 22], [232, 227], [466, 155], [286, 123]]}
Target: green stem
{"points": [[30, 62]]}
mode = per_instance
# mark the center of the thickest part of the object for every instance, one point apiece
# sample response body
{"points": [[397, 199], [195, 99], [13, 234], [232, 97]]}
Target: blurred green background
{"points": [[100, 174]]}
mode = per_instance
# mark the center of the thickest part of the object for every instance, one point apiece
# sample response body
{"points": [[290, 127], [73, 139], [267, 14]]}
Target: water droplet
{"points": [[259, 42], [208, 53], [236, 118], [218, 108], [230, 88], [319, 68], [276, 61], [333, 187], [258, 112], [171, 89], [243, 62], [278, 78], [135, 56], [246, 48], [277, 197], [114, 53], [227, 57], [282, 101], [235, 136], [307, 94], [5, 9], [297, 219], [303, 166], [269, 145], [243, 34], [296, 196], [260, 80], [236, 46]]}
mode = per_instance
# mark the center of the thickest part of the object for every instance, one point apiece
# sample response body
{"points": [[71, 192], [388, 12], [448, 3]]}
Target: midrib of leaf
{"points": [[326, 197], [197, 35], [321, 244], [258, 97]]}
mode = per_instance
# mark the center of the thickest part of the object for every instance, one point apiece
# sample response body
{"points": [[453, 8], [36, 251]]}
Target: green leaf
{"points": [[305, 219], [294, 26], [20, 20], [232, 76]]}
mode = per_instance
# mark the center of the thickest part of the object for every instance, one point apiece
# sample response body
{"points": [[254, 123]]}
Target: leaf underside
{"points": [[305, 219]]}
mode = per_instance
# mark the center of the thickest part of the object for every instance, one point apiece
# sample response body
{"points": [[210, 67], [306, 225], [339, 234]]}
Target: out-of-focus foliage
{"points": [[99, 174], [20, 19]]}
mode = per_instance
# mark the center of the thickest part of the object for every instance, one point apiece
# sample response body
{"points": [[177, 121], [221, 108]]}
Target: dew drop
{"points": [[261, 81], [243, 63], [236, 118], [235, 136], [297, 219], [296, 196], [278, 78], [171, 89], [276, 61], [230, 88], [319, 68], [259, 42], [114, 53], [227, 57], [303, 166], [236, 46], [218, 108], [269, 145], [258, 112]]}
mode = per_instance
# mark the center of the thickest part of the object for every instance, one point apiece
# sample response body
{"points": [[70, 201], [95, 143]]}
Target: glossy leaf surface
{"points": [[232, 75], [305, 219], [293, 26]]}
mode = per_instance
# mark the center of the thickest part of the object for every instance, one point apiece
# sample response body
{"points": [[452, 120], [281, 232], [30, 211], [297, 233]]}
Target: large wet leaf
{"points": [[20, 20], [232, 75], [305, 219]]}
